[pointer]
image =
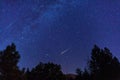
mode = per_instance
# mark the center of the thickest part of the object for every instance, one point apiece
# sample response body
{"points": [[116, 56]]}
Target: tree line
{"points": [[102, 65]]}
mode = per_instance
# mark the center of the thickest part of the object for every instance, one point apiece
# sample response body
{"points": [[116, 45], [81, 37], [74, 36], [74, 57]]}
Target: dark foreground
{"points": [[102, 65]]}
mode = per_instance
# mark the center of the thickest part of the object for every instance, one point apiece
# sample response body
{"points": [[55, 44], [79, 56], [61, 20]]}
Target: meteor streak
{"points": [[64, 51]]}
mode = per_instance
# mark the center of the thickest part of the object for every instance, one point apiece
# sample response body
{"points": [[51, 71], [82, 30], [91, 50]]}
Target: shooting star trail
{"points": [[64, 51], [11, 24]]}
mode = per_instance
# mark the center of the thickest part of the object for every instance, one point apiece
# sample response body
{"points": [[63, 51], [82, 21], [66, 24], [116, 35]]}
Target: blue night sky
{"points": [[59, 31]]}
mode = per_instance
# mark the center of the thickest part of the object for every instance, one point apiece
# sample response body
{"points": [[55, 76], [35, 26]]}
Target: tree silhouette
{"points": [[8, 63], [47, 71], [79, 74], [103, 65], [82, 75], [86, 75]]}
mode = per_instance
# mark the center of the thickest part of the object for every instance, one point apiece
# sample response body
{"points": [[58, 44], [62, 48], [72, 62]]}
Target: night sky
{"points": [[59, 31]]}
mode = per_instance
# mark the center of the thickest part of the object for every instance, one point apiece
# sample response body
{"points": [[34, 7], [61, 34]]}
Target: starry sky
{"points": [[59, 31]]}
